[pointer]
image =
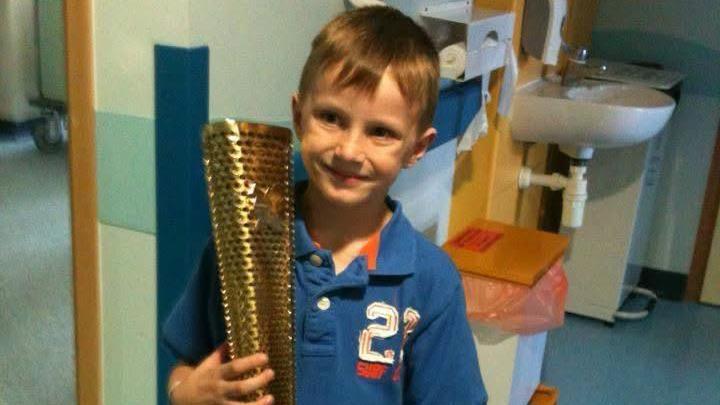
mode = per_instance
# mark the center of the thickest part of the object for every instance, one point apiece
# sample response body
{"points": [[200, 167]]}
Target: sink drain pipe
{"points": [[574, 194]]}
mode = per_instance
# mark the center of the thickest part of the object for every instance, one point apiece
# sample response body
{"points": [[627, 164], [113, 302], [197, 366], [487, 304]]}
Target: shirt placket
{"points": [[320, 312]]}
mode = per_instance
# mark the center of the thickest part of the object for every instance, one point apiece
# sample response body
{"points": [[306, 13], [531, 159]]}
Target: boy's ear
{"points": [[422, 143], [296, 114]]}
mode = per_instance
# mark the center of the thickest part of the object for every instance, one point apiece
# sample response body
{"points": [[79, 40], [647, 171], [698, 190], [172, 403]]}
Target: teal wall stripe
{"points": [[700, 63], [183, 226], [125, 147]]}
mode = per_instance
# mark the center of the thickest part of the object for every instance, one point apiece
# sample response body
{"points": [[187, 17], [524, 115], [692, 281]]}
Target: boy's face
{"points": [[354, 145]]}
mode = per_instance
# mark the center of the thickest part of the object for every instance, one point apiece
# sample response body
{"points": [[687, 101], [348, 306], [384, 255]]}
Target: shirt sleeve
{"points": [[189, 331], [442, 364]]}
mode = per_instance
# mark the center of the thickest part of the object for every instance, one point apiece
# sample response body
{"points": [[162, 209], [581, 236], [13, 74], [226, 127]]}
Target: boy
{"points": [[379, 311]]}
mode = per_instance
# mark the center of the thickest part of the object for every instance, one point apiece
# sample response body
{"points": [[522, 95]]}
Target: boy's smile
{"points": [[354, 143]]}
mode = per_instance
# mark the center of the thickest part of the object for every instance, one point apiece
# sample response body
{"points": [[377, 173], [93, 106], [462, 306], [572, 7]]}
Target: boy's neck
{"points": [[338, 227]]}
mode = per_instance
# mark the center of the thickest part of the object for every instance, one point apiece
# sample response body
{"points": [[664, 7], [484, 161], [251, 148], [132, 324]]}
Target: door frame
{"points": [[706, 228], [83, 199]]}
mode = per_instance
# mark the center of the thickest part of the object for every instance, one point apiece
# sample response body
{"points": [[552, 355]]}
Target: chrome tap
{"points": [[579, 65], [575, 67]]}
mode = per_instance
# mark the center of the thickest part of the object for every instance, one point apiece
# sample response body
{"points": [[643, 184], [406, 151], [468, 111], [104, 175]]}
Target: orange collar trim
{"points": [[370, 250]]}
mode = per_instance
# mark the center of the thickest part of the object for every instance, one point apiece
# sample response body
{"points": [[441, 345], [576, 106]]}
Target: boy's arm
{"points": [[194, 326], [179, 373], [442, 362]]}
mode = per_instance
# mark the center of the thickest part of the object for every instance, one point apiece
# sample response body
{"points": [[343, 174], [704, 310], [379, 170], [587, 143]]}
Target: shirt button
{"points": [[316, 260], [323, 303]]}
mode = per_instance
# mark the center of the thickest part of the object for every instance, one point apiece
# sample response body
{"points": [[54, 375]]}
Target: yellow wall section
{"points": [[711, 285], [485, 183]]}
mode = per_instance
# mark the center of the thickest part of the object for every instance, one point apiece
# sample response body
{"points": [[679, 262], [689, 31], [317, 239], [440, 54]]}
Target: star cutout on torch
{"points": [[268, 207]]}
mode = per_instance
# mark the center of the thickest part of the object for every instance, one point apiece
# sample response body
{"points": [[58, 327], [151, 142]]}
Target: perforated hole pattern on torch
{"points": [[248, 168]]}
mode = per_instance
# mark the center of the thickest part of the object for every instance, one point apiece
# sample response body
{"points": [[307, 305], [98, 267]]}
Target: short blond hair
{"points": [[365, 43]]}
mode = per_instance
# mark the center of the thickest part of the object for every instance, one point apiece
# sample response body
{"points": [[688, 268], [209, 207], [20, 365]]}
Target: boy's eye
{"points": [[382, 132], [329, 117]]}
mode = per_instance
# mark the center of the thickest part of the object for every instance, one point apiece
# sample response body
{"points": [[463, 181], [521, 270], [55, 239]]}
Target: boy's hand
{"points": [[214, 382]]}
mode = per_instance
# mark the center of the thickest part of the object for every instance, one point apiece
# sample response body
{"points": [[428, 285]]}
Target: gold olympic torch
{"points": [[248, 168]]}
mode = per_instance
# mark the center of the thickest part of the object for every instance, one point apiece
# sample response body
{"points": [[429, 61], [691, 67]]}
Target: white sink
{"points": [[593, 114]]}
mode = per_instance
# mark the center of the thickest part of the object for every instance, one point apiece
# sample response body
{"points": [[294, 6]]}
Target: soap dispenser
{"points": [[542, 26]]}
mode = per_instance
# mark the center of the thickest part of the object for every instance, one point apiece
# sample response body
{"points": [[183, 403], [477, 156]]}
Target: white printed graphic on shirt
{"points": [[377, 330], [411, 317], [385, 330]]}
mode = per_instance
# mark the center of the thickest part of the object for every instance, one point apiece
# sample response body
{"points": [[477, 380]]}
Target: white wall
{"points": [[257, 49], [125, 33], [681, 189], [693, 20], [688, 40]]}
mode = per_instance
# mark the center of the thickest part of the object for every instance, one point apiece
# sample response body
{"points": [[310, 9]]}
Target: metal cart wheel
{"points": [[50, 133]]}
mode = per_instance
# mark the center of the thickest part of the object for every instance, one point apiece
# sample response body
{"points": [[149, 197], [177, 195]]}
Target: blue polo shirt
{"points": [[393, 334]]}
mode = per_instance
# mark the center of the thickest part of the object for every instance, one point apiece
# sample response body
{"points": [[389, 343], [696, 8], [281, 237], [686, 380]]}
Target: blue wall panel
{"points": [[456, 108], [183, 225]]}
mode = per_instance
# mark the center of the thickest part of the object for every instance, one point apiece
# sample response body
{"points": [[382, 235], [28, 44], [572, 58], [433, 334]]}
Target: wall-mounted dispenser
{"points": [[472, 41], [542, 29]]}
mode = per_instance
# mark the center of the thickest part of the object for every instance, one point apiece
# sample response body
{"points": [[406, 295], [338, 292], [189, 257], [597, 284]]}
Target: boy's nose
{"points": [[350, 147]]}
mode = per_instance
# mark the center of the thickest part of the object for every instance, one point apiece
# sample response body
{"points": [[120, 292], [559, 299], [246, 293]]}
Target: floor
{"points": [[671, 357], [36, 324]]}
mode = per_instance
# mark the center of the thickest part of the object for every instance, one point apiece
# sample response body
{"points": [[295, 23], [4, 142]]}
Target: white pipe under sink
{"points": [[574, 194]]}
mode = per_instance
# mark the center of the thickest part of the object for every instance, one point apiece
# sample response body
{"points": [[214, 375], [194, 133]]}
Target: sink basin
{"points": [[593, 114]]}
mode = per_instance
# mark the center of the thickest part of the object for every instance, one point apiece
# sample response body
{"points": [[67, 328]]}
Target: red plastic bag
{"points": [[517, 308]]}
